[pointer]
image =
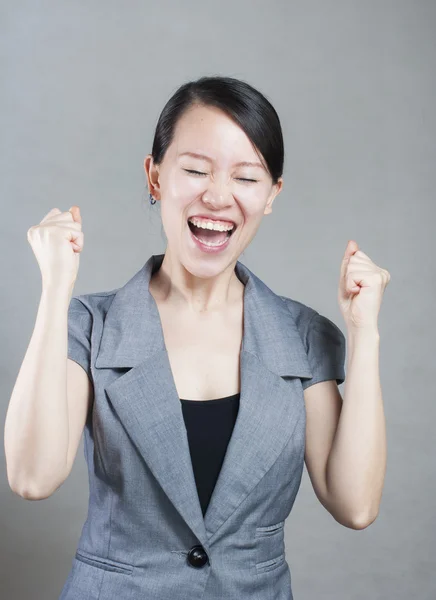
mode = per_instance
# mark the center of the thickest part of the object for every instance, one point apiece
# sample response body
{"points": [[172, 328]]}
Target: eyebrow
{"points": [[243, 163]]}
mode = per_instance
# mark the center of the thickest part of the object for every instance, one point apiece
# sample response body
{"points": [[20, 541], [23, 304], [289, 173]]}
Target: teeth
{"points": [[210, 225]]}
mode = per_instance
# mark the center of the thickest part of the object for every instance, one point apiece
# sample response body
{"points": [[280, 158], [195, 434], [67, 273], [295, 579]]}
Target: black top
{"points": [[209, 425]]}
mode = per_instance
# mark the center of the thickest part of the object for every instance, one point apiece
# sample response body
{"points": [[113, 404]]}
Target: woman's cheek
{"points": [[252, 202], [188, 186], [175, 193]]}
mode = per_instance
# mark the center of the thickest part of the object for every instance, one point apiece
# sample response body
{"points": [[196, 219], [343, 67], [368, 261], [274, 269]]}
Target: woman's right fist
{"points": [[57, 243]]}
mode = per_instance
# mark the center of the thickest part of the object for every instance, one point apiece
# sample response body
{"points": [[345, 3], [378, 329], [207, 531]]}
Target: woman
{"points": [[194, 383]]}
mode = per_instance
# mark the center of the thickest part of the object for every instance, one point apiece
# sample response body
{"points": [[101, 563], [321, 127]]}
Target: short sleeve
{"points": [[79, 334], [325, 347]]}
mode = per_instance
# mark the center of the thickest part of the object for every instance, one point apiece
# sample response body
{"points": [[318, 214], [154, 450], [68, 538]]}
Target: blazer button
{"points": [[197, 556]]}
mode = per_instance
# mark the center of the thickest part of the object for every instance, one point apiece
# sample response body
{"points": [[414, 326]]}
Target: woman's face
{"points": [[218, 188]]}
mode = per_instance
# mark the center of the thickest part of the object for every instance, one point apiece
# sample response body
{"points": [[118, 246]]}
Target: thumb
{"points": [[351, 248], [75, 211]]}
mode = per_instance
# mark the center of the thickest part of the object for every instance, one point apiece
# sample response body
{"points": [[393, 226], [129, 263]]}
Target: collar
{"points": [[132, 330]]}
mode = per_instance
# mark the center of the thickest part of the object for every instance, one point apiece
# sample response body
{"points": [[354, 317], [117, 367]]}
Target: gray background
{"points": [[82, 86]]}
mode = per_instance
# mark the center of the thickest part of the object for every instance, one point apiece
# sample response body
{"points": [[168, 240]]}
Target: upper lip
{"points": [[214, 218]]}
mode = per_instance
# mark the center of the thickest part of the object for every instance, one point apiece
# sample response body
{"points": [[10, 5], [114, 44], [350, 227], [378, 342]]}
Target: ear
{"points": [[275, 191], [152, 172]]}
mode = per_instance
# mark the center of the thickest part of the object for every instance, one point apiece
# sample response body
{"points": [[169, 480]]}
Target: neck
{"points": [[202, 291]]}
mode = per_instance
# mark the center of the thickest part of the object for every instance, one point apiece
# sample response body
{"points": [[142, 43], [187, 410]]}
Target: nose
{"points": [[217, 196]]}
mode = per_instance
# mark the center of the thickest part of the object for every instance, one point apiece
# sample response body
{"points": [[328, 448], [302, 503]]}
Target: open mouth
{"points": [[210, 236]]}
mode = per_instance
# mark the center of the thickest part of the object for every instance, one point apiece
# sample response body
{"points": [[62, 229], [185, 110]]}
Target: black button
{"points": [[197, 556]]}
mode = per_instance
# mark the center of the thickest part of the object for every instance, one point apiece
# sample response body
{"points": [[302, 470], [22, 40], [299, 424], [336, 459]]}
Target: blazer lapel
{"points": [[146, 400]]}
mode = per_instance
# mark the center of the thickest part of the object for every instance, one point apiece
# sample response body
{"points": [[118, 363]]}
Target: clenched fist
{"points": [[57, 242]]}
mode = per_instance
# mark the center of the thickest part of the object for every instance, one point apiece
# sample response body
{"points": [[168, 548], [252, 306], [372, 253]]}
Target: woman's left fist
{"points": [[361, 288]]}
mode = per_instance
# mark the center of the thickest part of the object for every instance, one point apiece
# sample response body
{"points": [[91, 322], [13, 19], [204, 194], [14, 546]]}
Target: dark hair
{"points": [[240, 101]]}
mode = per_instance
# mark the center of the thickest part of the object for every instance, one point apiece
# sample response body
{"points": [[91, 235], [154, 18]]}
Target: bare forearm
{"points": [[357, 462], [36, 426]]}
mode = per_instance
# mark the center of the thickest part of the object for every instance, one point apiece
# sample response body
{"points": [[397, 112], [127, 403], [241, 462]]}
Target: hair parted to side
{"points": [[248, 107]]}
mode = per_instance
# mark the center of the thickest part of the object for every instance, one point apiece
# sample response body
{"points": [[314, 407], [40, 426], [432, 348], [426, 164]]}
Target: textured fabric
{"points": [[325, 344], [79, 334], [209, 424], [145, 535]]}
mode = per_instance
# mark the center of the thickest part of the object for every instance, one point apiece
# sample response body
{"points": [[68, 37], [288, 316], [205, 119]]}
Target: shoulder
{"points": [[92, 304], [324, 342], [312, 324], [86, 314], [301, 313]]}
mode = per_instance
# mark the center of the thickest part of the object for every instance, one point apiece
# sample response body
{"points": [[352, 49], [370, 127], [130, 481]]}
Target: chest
{"points": [[204, 352]]}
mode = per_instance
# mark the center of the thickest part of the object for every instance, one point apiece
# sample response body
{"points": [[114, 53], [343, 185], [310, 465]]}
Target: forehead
{"points": [[208, 130]]}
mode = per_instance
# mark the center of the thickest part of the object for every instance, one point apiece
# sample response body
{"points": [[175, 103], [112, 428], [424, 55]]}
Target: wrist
{"points": [[64, 290], [363, 335]]}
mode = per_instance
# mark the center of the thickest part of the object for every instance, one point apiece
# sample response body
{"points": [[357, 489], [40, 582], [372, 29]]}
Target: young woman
{"points": [[200, 391]]}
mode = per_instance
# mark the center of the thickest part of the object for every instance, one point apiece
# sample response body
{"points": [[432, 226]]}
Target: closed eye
{"points": [[200, 173]]}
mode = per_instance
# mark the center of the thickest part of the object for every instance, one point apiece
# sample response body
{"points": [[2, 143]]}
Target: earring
{"points": [[152, 200]]}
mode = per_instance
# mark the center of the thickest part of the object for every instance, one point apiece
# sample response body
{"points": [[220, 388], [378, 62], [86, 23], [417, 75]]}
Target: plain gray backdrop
{"points": [[82, 86]]}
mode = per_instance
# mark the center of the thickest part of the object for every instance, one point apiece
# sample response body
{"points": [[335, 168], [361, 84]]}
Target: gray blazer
{"points": [[145, 536]]}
